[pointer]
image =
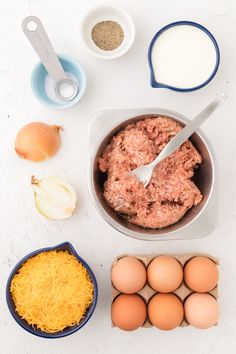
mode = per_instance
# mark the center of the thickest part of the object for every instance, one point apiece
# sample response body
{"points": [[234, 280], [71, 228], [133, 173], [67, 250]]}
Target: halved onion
{"points": [[54, 198]]}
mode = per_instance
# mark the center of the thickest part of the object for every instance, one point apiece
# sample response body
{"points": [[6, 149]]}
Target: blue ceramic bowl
{"points": [[156, 84], [39, 74], [66, 246]]}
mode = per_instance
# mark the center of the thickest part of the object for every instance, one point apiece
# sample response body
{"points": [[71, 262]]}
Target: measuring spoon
{"points": [[66, 89]]}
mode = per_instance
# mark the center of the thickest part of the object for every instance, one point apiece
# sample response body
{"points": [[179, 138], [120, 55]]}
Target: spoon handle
{"points": [[36, 34], [189, 129]]}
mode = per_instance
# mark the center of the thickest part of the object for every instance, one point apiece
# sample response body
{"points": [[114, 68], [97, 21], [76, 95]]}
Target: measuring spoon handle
{"points": [[36, 34]]}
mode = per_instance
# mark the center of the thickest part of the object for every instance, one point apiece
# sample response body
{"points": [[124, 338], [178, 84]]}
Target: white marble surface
{"points": [[111, 84]]}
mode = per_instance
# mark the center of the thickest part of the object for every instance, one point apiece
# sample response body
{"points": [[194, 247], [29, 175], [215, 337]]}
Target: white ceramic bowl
{"points": [[108, 13], [101, 129]]}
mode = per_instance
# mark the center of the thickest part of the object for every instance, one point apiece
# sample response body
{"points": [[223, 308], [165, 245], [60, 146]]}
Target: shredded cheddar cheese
{"points": [[52, 291]]}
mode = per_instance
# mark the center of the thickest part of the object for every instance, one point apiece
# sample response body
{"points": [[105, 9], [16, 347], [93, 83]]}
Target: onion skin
{"points": [[38, 141]]}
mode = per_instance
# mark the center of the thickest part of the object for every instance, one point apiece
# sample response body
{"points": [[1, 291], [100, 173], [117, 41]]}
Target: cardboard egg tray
{"points": [[182, 292]]}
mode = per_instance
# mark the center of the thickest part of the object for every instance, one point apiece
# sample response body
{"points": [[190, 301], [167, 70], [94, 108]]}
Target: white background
{"points": [[120, 83]]}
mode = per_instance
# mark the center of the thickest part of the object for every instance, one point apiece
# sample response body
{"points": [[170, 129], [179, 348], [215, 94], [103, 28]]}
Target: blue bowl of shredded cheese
{"points": [[57, 298]]}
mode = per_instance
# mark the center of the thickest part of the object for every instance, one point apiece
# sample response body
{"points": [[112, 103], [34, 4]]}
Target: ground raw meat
{"points": [[170, 193]]}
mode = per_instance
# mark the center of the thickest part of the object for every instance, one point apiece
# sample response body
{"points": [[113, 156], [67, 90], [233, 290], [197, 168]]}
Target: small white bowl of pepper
{"points": [[108, 31]]}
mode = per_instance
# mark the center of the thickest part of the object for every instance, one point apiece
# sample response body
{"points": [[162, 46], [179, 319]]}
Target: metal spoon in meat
{"points": [[144, 173]]}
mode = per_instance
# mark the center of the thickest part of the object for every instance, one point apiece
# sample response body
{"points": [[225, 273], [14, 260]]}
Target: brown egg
{"points": [[201, 274], [128, 312], [165, 311], [128, 275], [165, 274], [201, 310]]}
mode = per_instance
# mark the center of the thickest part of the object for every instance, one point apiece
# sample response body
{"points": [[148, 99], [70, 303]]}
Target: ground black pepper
{"points": [[107, 35]]}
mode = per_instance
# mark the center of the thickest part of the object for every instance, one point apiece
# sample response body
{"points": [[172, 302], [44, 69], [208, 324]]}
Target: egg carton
{"points": [[182, 292]]}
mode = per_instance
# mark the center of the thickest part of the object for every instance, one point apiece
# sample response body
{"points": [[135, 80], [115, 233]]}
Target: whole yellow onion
{"points": [[38, 141]]}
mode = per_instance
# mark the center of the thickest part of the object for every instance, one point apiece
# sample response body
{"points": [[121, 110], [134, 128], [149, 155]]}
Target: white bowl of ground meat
{"points": [[180, 187]]}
